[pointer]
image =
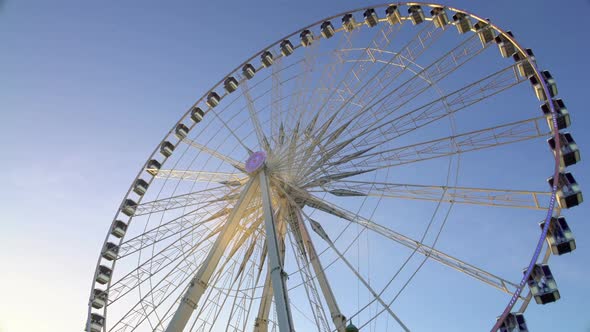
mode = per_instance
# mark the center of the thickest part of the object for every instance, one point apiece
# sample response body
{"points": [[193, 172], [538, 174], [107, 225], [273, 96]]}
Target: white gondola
{"points": [[99, 298], [542, 284], [484, 31], [393, 15], [248, 71], [506, 47], [348, 22], [104, 275], [166, 149], [550, 82], [96, 322], [514, 322], [286, 47], [560, 238], [439, 17], [213, 99], [416, 14], [181, 131], [140, 187], [110, 251], [462, 22], [197, 114], [119, 229], [524, 66], [129, 207], [568, 191], [153, 166], [266, 59], [327, 29], [371, 18], [230, 84], [562, 114], [570, 153], [538, 87], [306, 38]]}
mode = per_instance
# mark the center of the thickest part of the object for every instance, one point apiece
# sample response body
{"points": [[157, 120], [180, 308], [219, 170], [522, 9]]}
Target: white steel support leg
{"points": [[277, 275], [337, 317], [320, 231], [261, 322], [199, 283]]}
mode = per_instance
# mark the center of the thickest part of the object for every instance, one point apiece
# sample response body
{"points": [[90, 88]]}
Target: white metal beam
{"points": [[439, 256], [200, 176], [277, 275], [508, 198], [337, 317], [320, 231], [261, 321], [486, 138]]}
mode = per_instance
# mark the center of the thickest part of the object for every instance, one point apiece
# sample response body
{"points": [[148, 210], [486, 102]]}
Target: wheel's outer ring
{"points": [[235, 73]]}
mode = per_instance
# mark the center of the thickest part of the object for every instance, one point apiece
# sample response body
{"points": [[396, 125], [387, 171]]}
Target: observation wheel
{"points": [[382, 169]]}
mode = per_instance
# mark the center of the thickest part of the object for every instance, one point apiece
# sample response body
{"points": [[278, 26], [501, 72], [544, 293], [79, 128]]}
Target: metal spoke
{"points": [[238, 165], [394, 65], [425, 36], [231, 179], [441, 257], [262, 140], [276, 103], [240, 308], [164, 288], [231, 131], [306, 275], [319, 230], [428, 77], [206, 212], [184, 224], [157, 263], [472, 141], [436, 110], [328, 81], [461, 195], [409, 89], [213, 195], [411, 50], [442, 107], [226, 278]]}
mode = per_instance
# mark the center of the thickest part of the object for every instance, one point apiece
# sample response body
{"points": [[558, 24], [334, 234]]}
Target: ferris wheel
{"points": [[362, 173]]}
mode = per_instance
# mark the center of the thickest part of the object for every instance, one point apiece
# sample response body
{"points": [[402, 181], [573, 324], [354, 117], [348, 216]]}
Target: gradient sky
{"points": [[87, 89]]}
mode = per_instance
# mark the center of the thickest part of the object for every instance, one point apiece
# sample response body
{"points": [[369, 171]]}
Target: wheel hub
{"points": [[255, 161]]}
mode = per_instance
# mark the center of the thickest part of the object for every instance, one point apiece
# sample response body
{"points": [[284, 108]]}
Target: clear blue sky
{"points": [[87, 89]]}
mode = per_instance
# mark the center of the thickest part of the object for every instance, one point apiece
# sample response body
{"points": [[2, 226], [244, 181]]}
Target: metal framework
{"points": [[213, 233]]}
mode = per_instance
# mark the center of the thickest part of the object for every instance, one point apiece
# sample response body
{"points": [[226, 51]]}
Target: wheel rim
{"points": [[229, 133]]}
